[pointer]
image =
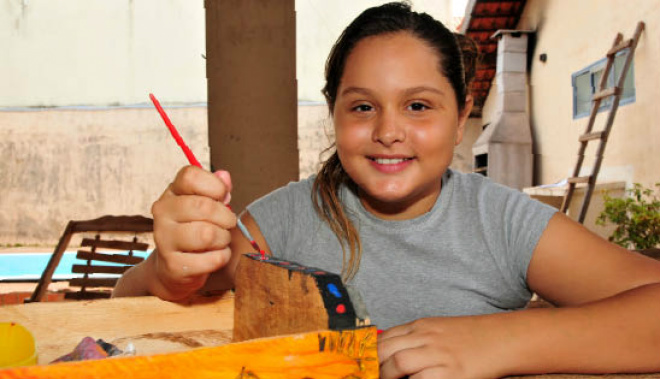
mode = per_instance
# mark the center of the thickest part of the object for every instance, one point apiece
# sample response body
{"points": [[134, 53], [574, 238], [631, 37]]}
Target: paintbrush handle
{"points": [[177, 137]]}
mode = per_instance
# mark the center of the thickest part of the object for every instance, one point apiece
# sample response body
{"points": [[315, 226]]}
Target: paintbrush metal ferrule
{"points": [[246, 233]]}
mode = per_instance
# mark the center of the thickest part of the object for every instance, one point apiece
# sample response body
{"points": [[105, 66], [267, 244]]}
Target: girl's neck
{"points": [[405, 209]]}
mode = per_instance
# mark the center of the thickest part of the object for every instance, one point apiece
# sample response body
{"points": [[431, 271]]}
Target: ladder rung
{"points": [[579, 179], [93, 282], [87, 295], [606, 92], [623, 45], [115, 244], [591, 136], [116, 258], [83, 269]]}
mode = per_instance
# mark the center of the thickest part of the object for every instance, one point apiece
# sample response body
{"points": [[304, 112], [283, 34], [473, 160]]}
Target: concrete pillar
{"points": [[252, 94]]}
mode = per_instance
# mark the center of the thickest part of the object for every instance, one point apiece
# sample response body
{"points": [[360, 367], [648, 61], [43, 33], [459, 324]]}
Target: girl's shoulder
{"points": [[482, 193], [293, 197], [474, 184]]}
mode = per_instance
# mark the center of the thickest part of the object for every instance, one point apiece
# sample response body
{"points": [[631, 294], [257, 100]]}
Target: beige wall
{"points": [[574, 35], [463, 160], [63, 165], [314, 136]]}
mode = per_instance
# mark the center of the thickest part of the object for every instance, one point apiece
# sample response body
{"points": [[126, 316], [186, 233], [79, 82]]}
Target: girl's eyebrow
{"points": [[407, 92], [358, 90], [415, 90]]}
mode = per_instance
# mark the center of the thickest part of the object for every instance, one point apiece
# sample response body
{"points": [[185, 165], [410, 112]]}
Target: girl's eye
{"points": [[363, 108], [417, 106]]}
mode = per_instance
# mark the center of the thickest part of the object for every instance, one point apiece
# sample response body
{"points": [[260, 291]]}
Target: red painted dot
{"points": [[341, 308]]}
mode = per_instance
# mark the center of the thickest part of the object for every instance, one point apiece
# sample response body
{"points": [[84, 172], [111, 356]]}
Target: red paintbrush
{"points": [[177, 137]]}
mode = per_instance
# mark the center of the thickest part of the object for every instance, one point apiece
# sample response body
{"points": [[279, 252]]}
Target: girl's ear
{"points": [[462, 118]]}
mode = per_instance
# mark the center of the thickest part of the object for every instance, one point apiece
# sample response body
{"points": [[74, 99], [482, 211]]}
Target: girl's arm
{"points": [[610, 299]]}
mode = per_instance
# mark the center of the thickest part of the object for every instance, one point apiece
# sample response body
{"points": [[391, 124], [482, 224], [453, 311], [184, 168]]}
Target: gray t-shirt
{"points": [[467, 256]]}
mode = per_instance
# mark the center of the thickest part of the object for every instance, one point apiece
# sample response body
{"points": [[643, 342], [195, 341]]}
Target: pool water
{"points": [[30, 266]]}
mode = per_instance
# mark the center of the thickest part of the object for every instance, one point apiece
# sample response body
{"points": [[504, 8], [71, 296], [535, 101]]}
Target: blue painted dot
{"points": [[333, 290]]}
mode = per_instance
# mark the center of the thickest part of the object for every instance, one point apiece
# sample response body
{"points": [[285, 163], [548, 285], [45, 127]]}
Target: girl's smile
{"points": [[390, 163], [396, 123]]}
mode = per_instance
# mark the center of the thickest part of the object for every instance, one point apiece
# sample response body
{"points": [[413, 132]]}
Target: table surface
{"points": [[153, 326]]}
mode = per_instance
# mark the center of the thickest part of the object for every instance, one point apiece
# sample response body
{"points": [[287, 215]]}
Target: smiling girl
{"points": [[445, 261]]}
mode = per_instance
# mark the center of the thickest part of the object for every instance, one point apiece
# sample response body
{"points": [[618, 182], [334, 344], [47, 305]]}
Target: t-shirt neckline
{"points": [[354, 205]]}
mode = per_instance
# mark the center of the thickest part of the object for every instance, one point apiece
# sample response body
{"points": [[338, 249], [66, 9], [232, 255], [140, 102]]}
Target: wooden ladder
{"points": [[589, 135]]}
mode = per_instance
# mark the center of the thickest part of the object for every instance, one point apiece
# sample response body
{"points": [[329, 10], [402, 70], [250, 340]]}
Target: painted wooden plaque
{"points": [[278, 297]]}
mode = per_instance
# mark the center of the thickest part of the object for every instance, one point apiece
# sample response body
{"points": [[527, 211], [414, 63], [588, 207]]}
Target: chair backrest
{"points": [[101, 248]]}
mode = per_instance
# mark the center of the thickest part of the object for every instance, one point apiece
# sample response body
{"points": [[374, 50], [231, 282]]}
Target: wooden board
{"points": [[276, 297], [318, 355]]}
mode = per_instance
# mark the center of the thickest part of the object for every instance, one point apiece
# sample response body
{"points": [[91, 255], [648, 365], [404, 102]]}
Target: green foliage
{"points": [[637, 218]]}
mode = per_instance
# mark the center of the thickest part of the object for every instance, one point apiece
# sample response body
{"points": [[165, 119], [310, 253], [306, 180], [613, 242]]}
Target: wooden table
{"points": [[152, 325]]}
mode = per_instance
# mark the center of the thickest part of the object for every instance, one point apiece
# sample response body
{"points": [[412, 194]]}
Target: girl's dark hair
{"points": [[392, 18], [471, 57], [385, 19]]}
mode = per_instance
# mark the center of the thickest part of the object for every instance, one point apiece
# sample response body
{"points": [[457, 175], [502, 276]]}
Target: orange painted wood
{"points": [[318, 355]]}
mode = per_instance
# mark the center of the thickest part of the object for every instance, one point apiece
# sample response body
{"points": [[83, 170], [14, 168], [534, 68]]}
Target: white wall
{"points": [[99, 52]]}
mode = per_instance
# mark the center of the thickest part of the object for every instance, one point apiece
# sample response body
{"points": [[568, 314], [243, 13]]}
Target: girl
{"points": [[445, 261]]}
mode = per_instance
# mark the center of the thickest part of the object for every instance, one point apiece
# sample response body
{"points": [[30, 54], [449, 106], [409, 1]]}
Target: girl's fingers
{"points": [[406, 362], [192, 180], [189, 208], [389, 346], [396, 331], [226, 179], [196, 236], [193, 265]]}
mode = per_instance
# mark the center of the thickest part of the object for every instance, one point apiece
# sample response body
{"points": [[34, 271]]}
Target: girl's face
{"points": [[396, 124]]}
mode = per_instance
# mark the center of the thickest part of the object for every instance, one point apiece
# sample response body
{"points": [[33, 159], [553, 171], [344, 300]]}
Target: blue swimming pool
{"points": [[30, 266]]}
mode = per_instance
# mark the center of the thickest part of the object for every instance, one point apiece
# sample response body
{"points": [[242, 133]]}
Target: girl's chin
{"points": [[386, 199], [401, 200]]}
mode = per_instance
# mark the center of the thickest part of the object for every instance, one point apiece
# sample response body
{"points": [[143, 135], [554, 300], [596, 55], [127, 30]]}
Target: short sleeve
{"points": [[520, 221], [279, 214]]}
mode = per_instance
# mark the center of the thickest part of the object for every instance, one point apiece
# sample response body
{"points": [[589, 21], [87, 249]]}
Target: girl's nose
{"points": [[388, 129]]}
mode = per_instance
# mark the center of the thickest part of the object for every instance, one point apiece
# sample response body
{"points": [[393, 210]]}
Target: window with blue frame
{"points": [[585, 84]]}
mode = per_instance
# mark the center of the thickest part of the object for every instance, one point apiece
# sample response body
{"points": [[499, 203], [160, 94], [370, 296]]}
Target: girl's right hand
{"points": [[191, 231]]}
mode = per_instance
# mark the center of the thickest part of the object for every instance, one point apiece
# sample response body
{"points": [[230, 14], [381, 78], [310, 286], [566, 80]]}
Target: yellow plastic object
{"points": [[16, 346]]}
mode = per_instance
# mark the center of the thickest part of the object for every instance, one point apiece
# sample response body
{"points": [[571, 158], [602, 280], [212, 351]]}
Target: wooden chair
{"points": [[107, 229]]}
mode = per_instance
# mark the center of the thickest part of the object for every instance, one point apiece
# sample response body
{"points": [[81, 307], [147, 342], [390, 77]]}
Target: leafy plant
{"points": [[637, 218]]}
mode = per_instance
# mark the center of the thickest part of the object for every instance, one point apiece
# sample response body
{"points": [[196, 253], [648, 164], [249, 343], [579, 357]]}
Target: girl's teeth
{"points": [[389, 161]]}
